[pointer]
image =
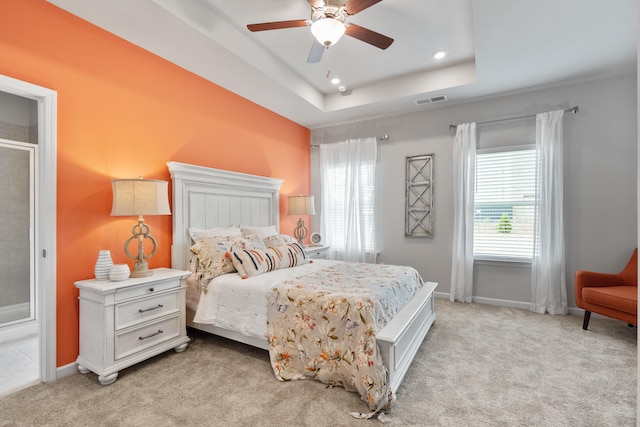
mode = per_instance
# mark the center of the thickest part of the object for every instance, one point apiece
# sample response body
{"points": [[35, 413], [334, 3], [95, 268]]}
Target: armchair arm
{"points": [[593, 279]]}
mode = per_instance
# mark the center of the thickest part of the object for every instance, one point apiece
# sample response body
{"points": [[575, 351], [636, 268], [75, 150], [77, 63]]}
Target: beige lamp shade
{"points": [[139, 197], [133, 197], [301, 205]]}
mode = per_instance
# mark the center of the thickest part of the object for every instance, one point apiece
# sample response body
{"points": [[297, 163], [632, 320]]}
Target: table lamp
{"points": [[301, 205], [138, 197]]}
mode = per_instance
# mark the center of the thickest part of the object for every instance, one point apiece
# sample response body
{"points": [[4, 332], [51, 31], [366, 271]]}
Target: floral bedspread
{"points": [[323, 326]]}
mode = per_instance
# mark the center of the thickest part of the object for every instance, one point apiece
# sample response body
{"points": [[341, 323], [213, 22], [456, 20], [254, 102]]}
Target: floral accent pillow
{"points": [[254, 241], [253, 262], [212, 256], [278, 240]]}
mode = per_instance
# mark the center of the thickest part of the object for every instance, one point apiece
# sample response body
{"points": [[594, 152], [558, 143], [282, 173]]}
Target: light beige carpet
{"points": [[479, 366]]}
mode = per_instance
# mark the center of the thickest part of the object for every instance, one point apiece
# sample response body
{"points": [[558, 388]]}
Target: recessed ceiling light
{"points": [[439, 54], [335, 80]]}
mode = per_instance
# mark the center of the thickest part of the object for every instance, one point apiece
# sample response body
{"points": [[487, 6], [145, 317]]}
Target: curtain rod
{"points": [[572, 110], [381, 138]]}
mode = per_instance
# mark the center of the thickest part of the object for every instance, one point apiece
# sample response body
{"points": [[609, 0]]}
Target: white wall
{"points": [[600, 179]]}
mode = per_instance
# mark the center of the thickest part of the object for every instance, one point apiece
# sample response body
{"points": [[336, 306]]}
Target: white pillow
{"points": [[204, 233], [259, 230]]}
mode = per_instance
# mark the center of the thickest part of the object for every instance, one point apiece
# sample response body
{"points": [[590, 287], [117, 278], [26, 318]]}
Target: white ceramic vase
{"points": [[119, 272], [103, 265]]}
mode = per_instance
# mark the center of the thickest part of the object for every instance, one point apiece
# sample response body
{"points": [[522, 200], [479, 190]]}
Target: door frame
{"points": [[45, 229]]}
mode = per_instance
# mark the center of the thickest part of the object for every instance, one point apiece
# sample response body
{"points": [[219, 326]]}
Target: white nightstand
{"points": [[316, 252], [123, 323]]}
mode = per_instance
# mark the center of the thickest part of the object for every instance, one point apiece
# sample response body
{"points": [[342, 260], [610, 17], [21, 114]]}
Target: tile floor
{"points": [[19, 362]]}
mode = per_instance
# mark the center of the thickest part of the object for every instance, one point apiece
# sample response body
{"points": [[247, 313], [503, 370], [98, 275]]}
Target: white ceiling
{"points": [[494, 47]]}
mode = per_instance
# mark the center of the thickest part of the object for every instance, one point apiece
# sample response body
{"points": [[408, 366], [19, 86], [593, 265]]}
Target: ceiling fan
{"points": [[328, 23]]}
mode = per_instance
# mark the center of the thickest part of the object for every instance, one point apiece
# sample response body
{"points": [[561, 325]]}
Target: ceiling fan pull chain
{"points": [[328, 63]]}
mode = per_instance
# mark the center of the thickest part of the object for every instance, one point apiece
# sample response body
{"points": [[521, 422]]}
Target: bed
{"points": [[205, 198]]}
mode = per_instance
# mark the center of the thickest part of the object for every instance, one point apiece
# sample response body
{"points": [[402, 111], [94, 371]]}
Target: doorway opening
{"points": [[28, 224]]}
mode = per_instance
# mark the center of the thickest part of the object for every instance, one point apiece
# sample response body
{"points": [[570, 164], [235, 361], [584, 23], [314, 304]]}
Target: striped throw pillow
{"points": [[253, 262]]}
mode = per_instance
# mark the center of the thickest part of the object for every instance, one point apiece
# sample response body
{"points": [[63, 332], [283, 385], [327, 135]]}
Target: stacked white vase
{"points": [[103, 265], [119, 272]]}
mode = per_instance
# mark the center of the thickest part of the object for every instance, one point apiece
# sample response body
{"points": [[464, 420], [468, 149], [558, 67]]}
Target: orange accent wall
{"points": [[122, 113]]}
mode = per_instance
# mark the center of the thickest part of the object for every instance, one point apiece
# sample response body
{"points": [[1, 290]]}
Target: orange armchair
{"points": [[612, 295]]}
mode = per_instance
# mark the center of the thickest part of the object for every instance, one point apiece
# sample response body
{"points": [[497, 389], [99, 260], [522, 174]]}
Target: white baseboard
{"points": [[523, 305], [66, 370], [579, 312], [441, 295], [503, 303]]}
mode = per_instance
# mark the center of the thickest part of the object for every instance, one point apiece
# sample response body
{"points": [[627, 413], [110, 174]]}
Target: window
{"points": [[341, 205], [504, 204], [348, 172]]}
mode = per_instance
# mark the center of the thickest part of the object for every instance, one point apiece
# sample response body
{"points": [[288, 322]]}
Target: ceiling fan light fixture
{"points": [[439, 54], [327, 31]]}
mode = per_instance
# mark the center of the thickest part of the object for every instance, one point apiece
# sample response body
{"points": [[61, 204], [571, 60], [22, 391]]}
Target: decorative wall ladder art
{"points": [[419, 196]]}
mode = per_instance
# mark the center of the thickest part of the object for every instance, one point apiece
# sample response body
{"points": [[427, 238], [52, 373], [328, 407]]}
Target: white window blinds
{"points": [[504, 205]]}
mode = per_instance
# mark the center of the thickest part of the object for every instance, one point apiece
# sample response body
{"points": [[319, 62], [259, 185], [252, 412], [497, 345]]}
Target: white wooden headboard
{"points": [[205, 197]]}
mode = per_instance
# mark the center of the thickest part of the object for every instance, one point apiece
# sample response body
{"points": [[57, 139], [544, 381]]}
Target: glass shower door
{"points": [[17, 214]]}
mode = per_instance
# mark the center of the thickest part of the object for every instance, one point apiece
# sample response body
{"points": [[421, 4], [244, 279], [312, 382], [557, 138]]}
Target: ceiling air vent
{"points": [[432, 99]]}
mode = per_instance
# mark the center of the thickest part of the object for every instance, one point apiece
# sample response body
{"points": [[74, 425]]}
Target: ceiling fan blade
{"points": [[354, 6], [315, 3], [368, 36], [278, 25], [315, 55]]}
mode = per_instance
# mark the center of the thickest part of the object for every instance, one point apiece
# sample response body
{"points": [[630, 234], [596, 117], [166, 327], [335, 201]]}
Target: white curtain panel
{"points": [[548, 287], [464, 163], [348, 174]]}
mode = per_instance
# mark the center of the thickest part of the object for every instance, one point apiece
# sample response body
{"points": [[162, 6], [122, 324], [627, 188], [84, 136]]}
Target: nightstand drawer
{"points": [[142, 310], [148, 289], [316, 252], [136, 340]]}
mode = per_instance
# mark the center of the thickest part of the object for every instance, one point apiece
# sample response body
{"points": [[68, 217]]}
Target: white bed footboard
{"points": [[400, 339]]}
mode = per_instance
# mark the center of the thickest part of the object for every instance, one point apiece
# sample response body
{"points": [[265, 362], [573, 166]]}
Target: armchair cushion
{"points": [[623, 298]]}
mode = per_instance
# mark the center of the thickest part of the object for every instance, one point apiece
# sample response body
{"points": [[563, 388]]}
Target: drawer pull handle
{"points": [[149, 309], [151, 289], [160, 331]]}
